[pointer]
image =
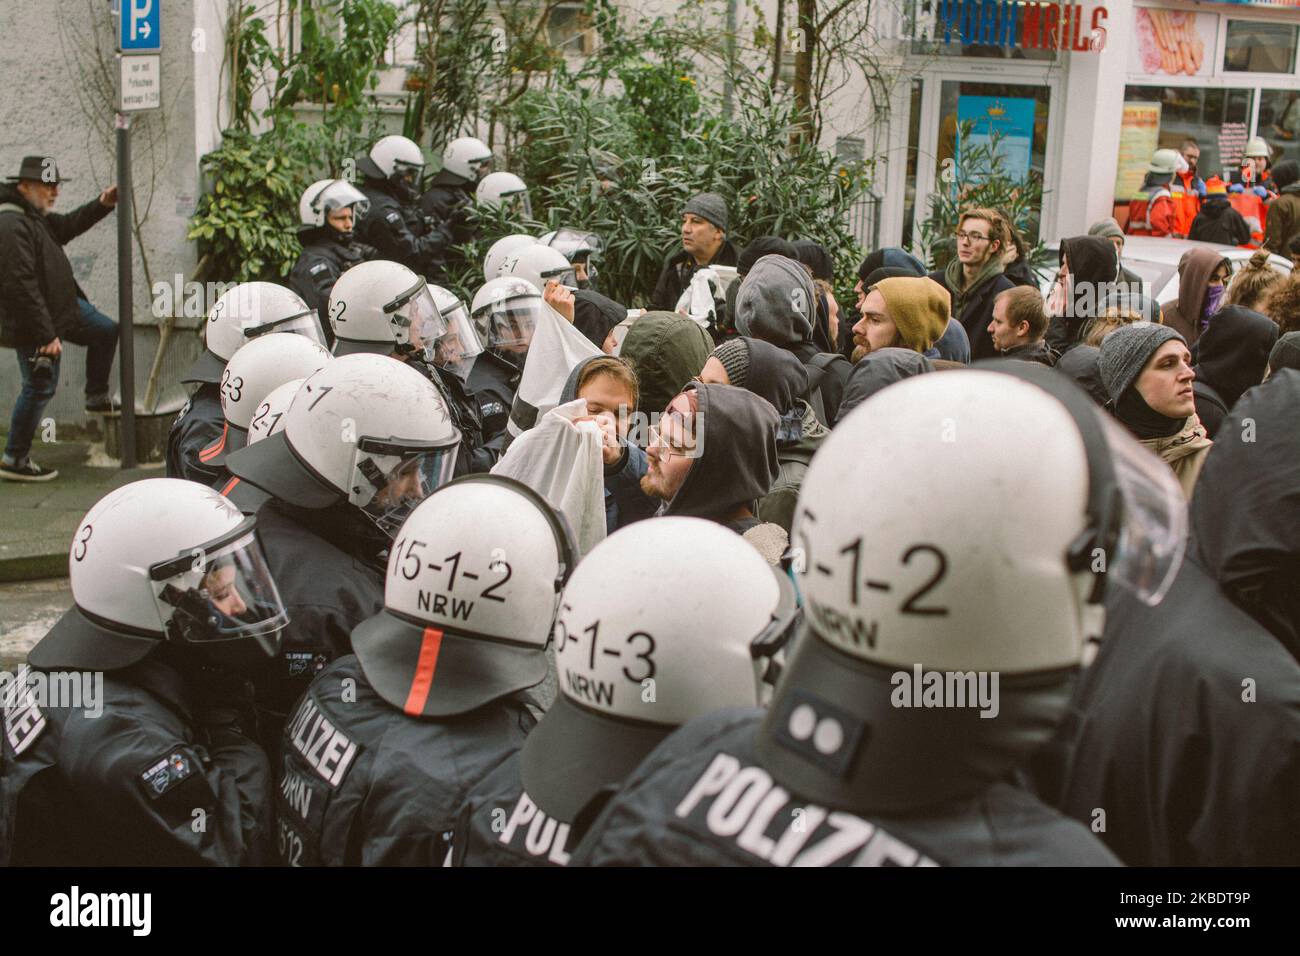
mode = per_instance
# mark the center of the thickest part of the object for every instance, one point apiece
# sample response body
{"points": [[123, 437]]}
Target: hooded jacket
{"points": [[1212, 778], [972, 305], [38, 292], [779, 377], [1080, 365], [625, 502], [1194, 271], [877, 371], [667, 350], [1219, 222], [1232, 356], [738, 463], [1094, 270], [1283, 221], [1184, 452], [595, 314]]}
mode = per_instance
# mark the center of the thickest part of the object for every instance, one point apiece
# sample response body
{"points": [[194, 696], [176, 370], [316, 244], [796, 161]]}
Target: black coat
{"points": [[401, 233], [446, 193], [677, 271], [121, 788], [324, 258], [198, 426], [1186, 729], [38, 292], [494, 380], [1219, 222], [367, 785], [977, 313], [663, 817]]}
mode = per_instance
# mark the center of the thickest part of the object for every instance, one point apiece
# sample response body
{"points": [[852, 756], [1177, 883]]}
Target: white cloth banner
{"points": [[557, 347]]}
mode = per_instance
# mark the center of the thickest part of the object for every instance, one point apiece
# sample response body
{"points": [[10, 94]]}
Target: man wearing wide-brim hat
{"points": [[41, 304]]}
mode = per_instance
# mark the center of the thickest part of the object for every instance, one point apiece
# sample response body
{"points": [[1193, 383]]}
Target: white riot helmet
{"points": [[165, 559], [383, 307], [244, 312], [500, 251], [506, 311], [945, 632], [365, 429], [473, 580], [497, 188], [456, 349], [324, 196], [576, 245], [634, 663], [258, 368], [539, 264], [268, 419], [467, 157], [398, 160]]}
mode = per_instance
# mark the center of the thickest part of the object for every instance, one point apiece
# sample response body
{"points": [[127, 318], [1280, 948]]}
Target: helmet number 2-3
{"points": [[232, 387]]}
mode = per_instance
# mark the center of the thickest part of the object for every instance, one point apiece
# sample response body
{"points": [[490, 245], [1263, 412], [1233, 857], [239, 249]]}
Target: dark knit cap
{"points": [[816, 258], [734, 356], [1286, 352], [709, 206], [1127, 350], [763, 246]]}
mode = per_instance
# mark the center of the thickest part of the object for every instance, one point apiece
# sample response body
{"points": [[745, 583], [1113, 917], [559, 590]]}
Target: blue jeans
{"points": [[98, 333]]}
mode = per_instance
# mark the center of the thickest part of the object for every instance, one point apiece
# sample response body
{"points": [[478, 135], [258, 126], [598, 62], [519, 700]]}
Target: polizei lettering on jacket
{"points": [[743, 805], [325, 748], [531, 831]]}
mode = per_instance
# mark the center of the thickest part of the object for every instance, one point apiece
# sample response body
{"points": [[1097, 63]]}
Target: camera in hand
{"points": [[42, 369]]}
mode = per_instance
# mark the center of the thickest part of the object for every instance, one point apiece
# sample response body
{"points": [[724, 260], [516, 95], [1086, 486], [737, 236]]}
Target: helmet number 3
{"points": [[79, 547]]}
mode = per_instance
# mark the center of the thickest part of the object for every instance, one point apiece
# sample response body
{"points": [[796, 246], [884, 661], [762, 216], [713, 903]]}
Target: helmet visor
{"points": [[457, 348], [303, 323], [576, 243], [1153, 533], [393, 479], [415, 318], [222, 592], [518, 203], [511, 322], [341, 194]]}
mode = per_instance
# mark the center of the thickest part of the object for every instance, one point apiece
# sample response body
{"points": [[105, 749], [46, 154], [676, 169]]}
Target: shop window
{"points": [[1210, 116], [1255, 47], [1279, 122]]}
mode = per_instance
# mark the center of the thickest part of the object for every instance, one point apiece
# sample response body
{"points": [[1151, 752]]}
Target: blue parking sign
{"points": [[140, 26]]}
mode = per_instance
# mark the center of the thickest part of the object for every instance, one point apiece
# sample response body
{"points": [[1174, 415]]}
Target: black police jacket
{"points": [[197, 429], [401, 233], [324, 258], [463, 406], [446, 193], [157, 779], [702, 798], [494, 380], [500, 825], [365, 784]]}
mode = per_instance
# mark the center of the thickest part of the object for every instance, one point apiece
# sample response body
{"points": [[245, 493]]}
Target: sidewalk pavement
{"points": [[38, 519]]}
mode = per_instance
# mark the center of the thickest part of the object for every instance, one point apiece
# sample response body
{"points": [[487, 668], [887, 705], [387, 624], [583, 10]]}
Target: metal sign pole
{"points": [[125, 306]]}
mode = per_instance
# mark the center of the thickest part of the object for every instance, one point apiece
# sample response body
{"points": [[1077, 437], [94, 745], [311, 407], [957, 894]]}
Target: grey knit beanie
{"points": [[1125, 351], [709, 206], [1286, 352], [1106, 228], [734, 356]]}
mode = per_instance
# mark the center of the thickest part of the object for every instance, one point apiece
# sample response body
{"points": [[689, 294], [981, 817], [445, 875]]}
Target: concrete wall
{"points": [[57, 72]]}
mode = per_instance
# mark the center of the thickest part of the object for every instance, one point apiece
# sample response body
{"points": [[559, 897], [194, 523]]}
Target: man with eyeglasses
{"points": [[974, 278]]}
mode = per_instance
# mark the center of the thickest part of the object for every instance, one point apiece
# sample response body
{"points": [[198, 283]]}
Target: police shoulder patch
{"points": [[168, 771], [319, 267], [394, 216]]}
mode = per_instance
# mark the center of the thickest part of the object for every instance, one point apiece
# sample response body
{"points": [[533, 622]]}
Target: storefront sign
{"points": [[1027, 26], [1139, 132], [1011, 119]]}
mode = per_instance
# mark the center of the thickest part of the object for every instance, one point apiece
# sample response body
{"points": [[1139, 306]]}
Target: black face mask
{"points": [[1143, 420], [344, 237]]}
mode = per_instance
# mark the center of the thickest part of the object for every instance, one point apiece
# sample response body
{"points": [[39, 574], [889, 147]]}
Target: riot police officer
{"points": [[153, 762], [943, 643], [387, 309], [716, 614], [465, 162], [329, 210], [394, 224], [241, 314], [505, 312], [364, 441], [381, 751]]}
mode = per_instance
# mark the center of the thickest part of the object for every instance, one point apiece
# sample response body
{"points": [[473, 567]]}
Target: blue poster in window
{"points": [[1011, 119]]}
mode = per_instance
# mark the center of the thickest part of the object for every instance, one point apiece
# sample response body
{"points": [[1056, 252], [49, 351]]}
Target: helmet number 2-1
{"points": [[79, 548]]}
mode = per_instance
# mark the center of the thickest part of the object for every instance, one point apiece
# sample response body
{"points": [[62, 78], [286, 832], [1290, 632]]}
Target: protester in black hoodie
{"points": [[714, 457], [822, 267], [1218, 221], [1089, 271], [760, 247], [1210, 676], [1231, 356], [879, 370]]}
